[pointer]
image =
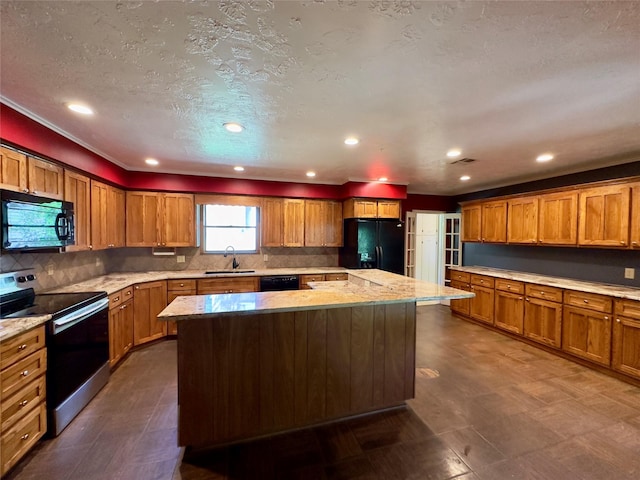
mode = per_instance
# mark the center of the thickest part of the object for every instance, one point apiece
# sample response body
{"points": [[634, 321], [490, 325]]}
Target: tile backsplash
{"points": [[60, 269]]}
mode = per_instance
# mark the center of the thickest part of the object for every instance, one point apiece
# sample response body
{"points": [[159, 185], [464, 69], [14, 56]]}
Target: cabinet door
{"points": [[522, 220], [388, 209], [99, 228], [77, 189], [461, 305], [604, 216], [293, 235], [115, 352], [127, 320], [509, 313], [481, 306], [558, 218], [494, 222], [13, 170], [116, 236], [45, 178], [472, 223], [626, 346], [543, 321], [365, 208], [635, 216], [587, 334], [272, 222], [143, 210], [333, 224], [314, 221], [149, 299], [178, 227]]}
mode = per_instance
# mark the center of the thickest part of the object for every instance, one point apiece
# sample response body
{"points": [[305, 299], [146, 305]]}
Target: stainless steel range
{"points": [[77, 342]]}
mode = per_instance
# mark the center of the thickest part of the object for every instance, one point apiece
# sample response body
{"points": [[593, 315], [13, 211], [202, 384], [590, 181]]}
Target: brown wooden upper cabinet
{"points": [[472, 223], [160, 219], [634, 231], [604, 216], [558, 222], [282, 221], [371, 208], [30, 175], [107, 216], [494, 222], [322, 223], [293, 235], [522, 220], [77, 189]]}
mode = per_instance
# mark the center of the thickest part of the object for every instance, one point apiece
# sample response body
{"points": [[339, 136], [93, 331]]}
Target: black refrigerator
{"points": [[373, 243]]}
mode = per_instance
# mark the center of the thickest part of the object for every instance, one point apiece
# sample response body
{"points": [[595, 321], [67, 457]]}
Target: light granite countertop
{"points": [[617, 291], [364, 287]]}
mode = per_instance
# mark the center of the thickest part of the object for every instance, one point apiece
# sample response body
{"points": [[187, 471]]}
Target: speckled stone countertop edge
{"points": [[616, 291]]}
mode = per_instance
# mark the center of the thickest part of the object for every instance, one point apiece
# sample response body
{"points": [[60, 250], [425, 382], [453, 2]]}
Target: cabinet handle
{"points": [[24, 373], [116, 299], [34, 192], [137, 287], [623, 242], [618, 320], [606, 318], [25, 190], [527, 299], [23, 403], [22, 347], [128, 292], [541, 293], [634, 243], [586, 301], [123, 307], [24, 437]]}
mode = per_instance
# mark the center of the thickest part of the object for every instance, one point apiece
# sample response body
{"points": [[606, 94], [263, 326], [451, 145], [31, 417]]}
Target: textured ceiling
{"points": [[503, 81]]}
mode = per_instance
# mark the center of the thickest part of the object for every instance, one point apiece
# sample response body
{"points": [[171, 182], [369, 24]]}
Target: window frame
{"points": [[204, 226]]}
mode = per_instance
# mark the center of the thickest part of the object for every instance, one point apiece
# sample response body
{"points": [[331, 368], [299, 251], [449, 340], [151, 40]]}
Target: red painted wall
{"points": [[22, 132]]}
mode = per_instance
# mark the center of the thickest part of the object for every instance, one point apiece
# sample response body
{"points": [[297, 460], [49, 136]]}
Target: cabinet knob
{"points": [[586, 301], [128, 292], [541, 293], [23, 403], [137, 287], [123, 307], [182, 284], [24, 437], [24, 373], [509, 287], [116, 299], [90, 247], [606, 318], [623, 242], [25, 190], [618, 320], [634, 243], [22, 347], [34, 192], [519, 298], [527, 300]]}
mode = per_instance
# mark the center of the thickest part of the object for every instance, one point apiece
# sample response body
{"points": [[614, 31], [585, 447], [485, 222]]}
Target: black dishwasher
{"points": [[279, 282]]}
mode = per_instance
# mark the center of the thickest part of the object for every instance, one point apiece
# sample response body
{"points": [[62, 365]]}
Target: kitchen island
{"points": [[254, 364]]}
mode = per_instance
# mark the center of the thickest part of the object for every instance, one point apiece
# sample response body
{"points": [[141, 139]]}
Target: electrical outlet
{"points": [[265, 257], [180, 258], [630, 273]]}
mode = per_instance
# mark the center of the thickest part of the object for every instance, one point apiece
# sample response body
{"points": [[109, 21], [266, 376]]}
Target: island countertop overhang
{"points": [[368, 287]]}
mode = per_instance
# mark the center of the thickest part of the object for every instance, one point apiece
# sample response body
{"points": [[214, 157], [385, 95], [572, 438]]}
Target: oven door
{"points": [[78, 361]]}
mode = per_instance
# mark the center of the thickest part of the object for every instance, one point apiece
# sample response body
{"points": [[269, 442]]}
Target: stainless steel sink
{"points": [[214, 272]]}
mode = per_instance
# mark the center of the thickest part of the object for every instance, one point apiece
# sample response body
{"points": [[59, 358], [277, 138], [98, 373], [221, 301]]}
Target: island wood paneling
{"points": [[251, 375]]}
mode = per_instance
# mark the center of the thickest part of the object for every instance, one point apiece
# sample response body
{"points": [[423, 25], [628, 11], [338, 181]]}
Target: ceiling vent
{"points": [[464, 160]]}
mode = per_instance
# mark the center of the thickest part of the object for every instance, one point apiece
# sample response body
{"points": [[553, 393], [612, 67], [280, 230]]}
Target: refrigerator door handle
{"points": [[380, 257]]}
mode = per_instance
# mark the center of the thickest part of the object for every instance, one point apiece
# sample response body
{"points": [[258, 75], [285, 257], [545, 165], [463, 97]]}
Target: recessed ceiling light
{"points": [[239, 168], [454, 152], [544, 157], [311, 174], [83, 109], [464, 178], [351, 141], [383, 179], [151, 161], [233, 127]]}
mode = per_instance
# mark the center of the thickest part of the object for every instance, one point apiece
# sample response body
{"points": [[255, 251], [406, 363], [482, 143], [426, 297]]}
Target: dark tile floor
{"points": [[487, 407]]}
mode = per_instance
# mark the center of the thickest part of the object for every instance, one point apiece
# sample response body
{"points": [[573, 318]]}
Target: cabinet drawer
{"points": [[509, 286], [18, 405], [18, 375], [544, 292], [592, 301], [329, 277], [227, 285], [21, 346], [482, 280], [115, 299], [460, 276], [22, 436], [181, 285], [628, 308]]}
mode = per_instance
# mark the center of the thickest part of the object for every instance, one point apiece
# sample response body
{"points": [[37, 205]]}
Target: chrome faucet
{"points": [[234, 264]]}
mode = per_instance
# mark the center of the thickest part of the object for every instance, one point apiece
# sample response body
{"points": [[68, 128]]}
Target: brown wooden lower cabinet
{"points": [[481, 306], [626, 338], [543, 321], [121, 319], [149, 299], [509, 314], [461, 305], [244, 376], [228, 285], [587, 334]]}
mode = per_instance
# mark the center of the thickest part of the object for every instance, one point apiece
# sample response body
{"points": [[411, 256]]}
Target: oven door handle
{"points": [[79, 315]]}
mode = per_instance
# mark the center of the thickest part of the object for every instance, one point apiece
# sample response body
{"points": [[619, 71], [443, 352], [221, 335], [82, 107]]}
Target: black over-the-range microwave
{"points": [[30, 222]]}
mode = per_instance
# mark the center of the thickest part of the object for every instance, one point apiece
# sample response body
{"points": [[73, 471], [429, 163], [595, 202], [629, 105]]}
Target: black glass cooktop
{"points": [[55, 304]]}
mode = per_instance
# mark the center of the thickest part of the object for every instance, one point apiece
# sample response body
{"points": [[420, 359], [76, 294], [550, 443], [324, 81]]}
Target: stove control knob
{"points": [[31, 277], [21, 279]]}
